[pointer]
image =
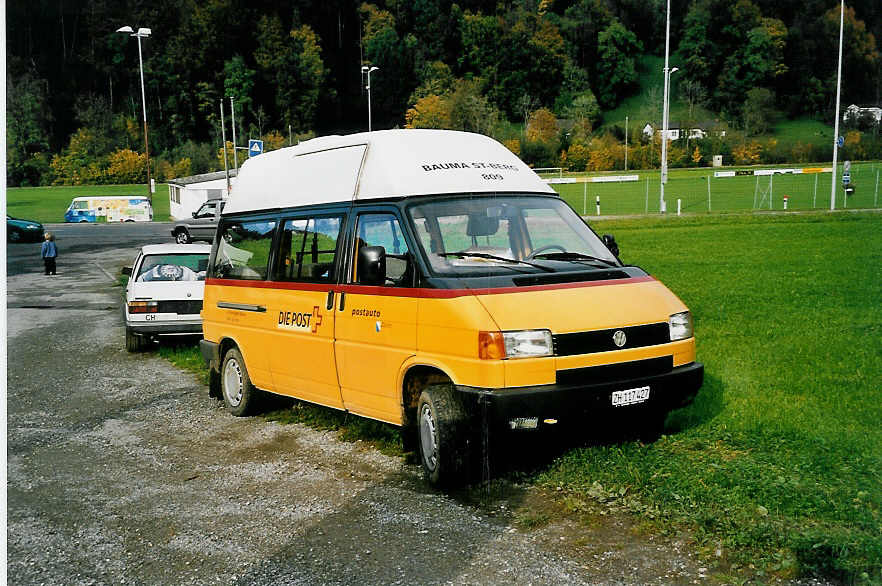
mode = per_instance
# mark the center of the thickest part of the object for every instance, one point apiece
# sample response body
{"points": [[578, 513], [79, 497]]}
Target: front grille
{"points": [[180, 307], [602, 340], [594, 375]]}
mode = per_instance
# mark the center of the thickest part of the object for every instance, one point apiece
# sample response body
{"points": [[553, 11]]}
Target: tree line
{"points": [[501, 68]]}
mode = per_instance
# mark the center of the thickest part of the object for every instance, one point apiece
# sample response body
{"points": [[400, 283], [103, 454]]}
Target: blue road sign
{"points": [[846, 178], [255, 147], [840, 141]]}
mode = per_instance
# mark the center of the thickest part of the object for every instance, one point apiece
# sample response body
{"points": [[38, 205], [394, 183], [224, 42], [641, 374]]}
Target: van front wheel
{"points": [[240, 395], [441, 425]]}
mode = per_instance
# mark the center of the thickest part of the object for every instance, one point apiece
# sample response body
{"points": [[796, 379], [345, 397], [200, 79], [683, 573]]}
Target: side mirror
{"points": [[194, 214], [126, 271], [372, 266], [610, 242]]}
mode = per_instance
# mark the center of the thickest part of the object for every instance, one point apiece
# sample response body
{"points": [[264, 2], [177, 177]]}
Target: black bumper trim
{"points": [[668, 391]]}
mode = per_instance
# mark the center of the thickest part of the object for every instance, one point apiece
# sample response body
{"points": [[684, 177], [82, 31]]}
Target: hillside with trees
{"points": [[542, 76]]}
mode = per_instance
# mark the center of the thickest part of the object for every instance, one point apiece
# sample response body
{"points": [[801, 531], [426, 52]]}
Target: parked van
{"points": [[109, 208], [431, 280]]}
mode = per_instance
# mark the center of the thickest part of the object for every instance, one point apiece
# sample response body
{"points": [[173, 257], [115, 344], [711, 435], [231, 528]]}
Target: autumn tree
{"points": [[429, 112]]}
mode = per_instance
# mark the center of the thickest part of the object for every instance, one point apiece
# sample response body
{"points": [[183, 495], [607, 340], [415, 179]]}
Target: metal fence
{"points": [[699, 191]]}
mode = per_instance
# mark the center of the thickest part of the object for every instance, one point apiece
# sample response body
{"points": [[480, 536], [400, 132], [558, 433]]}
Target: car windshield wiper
{"points": [[574, 256], [464, 253]]}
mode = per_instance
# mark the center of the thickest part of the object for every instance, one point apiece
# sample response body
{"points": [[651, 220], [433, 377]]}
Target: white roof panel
{"points": [[386, 163]]}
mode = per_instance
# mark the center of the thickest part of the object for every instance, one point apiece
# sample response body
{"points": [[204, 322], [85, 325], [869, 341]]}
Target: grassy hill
{"points": [[645, 105]]}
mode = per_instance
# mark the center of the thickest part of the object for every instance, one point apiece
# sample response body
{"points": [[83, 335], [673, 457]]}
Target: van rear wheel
{"points": [[441, 424], [239, 394]]}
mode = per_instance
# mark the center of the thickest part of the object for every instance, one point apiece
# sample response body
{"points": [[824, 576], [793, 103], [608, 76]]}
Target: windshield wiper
{"points": [[574, 256], [464, 253]]}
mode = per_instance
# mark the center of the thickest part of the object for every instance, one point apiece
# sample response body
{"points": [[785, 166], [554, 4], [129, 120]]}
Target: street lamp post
{"points": [[142, 33], [664, 145], [664, 137], [368, 70]]}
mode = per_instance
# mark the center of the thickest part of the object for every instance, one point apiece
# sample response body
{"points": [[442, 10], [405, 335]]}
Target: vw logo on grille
{"points": [[619, 338]]}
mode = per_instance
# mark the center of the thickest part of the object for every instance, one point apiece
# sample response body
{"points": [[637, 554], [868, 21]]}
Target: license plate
{"points": [[630, 396]]}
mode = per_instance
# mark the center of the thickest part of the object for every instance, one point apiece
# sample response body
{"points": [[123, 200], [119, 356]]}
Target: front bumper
{"points": [[179, 328], [574, 402]]}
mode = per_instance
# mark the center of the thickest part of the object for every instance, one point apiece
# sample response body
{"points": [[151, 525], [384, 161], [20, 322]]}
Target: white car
{"points": [[164, 293]]}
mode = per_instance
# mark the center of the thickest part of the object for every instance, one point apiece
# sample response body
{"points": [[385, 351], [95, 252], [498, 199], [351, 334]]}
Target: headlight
{"points": [[680, 325], [517, 344], [528, 343]]}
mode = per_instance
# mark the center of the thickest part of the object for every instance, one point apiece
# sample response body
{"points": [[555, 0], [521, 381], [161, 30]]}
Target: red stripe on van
{"points": [[423, 293]]}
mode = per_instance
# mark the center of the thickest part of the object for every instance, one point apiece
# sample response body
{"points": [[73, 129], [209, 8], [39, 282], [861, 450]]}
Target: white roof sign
{"points": [[387, 163]]}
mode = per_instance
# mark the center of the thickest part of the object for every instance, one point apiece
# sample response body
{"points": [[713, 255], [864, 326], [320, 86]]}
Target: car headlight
{"points": [[515, 344], [680, 325]]}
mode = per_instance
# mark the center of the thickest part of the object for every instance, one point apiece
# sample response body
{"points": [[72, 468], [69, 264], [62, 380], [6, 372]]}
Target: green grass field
{"points": [[778, 464], [776, 469], [48, 204], [727, 194]]}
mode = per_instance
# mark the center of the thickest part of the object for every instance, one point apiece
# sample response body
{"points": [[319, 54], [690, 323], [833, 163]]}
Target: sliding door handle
{"points": [[342, 300]]}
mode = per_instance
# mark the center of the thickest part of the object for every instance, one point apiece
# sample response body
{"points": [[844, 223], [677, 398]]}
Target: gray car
{"points": [[202, 226]]}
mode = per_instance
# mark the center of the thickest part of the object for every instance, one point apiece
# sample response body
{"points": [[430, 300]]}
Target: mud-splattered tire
{"points": [[240, 396], [134, 342], [443, 443]]}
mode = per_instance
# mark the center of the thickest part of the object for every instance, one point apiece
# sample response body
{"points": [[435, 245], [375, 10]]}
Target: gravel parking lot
{"points": [[121, 469]]}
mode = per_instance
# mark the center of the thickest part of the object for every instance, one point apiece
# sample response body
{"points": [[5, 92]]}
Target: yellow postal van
{"points": [[430, 279]]}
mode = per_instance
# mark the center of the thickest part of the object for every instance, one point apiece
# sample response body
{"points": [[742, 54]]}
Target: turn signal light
{"points": [[143, 307], [491, 346]]}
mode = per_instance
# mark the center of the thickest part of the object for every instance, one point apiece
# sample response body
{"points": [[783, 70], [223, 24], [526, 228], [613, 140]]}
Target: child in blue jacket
{"points": [[49, 252]]}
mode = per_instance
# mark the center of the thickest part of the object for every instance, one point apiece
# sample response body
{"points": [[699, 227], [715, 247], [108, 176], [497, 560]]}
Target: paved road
{"points": [[122, 470], [72, 238]]}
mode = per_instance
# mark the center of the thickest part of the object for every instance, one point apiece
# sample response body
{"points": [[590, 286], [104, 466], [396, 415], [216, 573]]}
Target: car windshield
{"points": [[173, 267], [468, 236]]}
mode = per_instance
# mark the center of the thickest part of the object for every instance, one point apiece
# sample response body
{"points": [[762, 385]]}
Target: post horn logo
{"points": [[619, 338]]}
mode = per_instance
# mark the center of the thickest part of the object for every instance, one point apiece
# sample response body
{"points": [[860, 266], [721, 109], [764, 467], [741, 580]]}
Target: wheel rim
{"points": [[182, 238], [232, 382], [428, 438]]}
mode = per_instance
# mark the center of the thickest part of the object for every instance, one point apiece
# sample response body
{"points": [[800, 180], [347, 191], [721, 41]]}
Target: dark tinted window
{"points": [[308, 249]]}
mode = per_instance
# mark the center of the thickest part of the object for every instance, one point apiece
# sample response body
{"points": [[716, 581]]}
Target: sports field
{"points": [[701, 192], [48, 204]]}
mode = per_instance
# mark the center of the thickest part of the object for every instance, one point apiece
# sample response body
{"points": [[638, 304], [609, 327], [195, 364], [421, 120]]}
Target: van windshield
{"points": [[493, 235]]}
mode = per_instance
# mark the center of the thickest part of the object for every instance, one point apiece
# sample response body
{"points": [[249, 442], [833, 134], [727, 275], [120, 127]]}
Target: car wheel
{"points": [[441, 422], [240, 395], [182, 237], [135, 342], [14, 236], [84, 221]]}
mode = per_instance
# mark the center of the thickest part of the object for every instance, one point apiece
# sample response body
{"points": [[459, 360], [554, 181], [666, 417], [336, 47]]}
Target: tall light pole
{"points": [[368, 70], [142, 33], [664, 137], [836, 116]]}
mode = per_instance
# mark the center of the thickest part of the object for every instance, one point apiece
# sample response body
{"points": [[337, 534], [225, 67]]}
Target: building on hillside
{"points": [[855, 112], [676, 132], [186, 194]]}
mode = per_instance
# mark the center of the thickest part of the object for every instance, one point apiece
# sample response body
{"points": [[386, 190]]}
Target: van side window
{"points": [[308, 250], [383, 229], [243, 250]]}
